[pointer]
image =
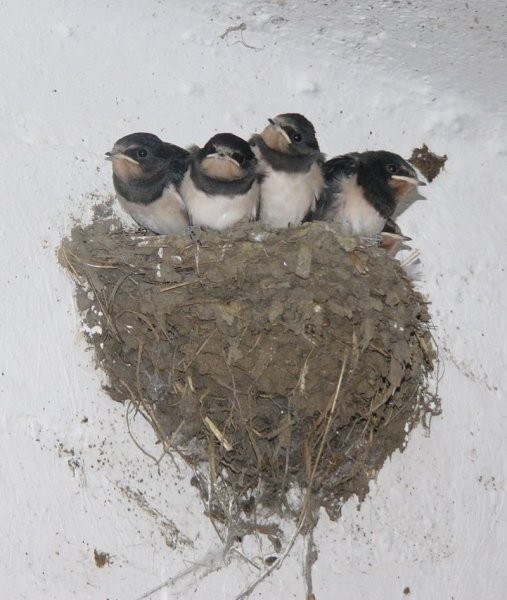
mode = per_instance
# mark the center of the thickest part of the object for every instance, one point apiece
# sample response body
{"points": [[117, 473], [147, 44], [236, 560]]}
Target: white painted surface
{"points": [[76, 77]]}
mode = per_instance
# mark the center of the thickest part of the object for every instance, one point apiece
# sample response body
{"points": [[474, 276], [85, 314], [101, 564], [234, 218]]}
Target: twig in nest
{"points": [[412, 257], [196, 257], [178, 285], [274, 433], [119, 283], [136, 443], [143, 318], [105, 309], [69, 265], [93, 265], [218, 434], [324, 416], [200, 349], [424, 346], [255, 343], [330, 416], [149, 410], [304, 371]]}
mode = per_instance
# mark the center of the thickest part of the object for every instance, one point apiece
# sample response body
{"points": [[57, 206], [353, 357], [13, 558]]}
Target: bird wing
{"points": [[335, 171], [340, 166], [178, 161]]}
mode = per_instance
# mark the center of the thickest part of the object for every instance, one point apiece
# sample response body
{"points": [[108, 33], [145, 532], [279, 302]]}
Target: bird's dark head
{"points": [[292, 134], [391, 169], [140, 156], [227, 157]]}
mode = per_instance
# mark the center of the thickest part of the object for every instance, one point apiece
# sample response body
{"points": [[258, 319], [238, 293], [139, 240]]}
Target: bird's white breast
{"points": [[218, 211], [165, 215], [286, 198], [356, 216]]}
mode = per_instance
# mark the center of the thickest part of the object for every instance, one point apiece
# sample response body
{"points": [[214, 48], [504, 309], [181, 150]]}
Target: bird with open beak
{"points": [[363, 190], [147, 174], [221, 186], [291, 161]]}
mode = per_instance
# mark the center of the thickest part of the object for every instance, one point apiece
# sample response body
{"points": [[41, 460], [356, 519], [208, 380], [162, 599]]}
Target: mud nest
{"points": [[283, 360]]}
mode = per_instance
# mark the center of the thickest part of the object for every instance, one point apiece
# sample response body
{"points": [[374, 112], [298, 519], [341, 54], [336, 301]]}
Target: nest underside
{"points": [[281, 359]]}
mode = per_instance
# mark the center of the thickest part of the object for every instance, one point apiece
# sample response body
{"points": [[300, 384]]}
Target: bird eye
{"points": [[296, 137], [239, 158], [142, 153], [392, 168]]}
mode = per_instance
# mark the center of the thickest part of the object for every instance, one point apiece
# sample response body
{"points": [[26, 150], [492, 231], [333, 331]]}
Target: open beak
{"points": [[223, 156], [393, 242], [412, 180], [396, 237], [280, 129], [118, 154]]}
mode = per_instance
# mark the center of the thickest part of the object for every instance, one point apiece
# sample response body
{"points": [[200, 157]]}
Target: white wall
{"points": [[77, 76]]}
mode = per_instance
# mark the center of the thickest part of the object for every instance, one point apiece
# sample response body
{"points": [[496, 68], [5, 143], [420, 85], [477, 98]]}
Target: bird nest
{"points": [[280, 360]]}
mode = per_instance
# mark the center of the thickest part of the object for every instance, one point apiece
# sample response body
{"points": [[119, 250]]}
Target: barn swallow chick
{"points": [[221, 186], [147, 173], [392, 239], [363, 190], [292, 174]]}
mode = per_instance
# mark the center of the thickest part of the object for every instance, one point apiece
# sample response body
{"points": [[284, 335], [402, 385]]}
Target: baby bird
{"points": [[292, 173], [147, 173], [363, 190], [221, 186]]}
